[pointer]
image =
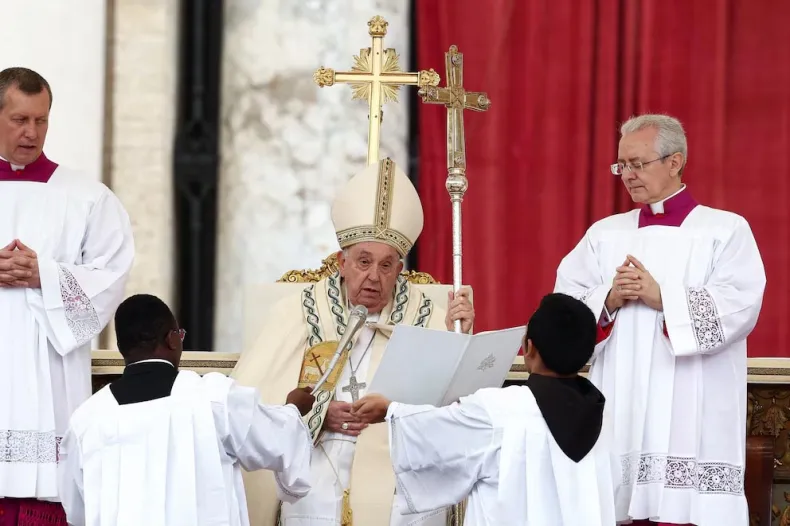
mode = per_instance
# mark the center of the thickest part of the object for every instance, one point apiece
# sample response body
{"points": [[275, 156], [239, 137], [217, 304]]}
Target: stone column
{"points": [[142, 90], [288, 145], [143, 87]]}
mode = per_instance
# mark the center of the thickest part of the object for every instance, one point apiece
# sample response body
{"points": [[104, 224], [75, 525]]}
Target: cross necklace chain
{"points": [[353, 386]]}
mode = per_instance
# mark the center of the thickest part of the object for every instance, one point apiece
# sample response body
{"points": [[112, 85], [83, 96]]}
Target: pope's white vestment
{"points": [[675, 381], [495, 447], [83, 240], [176, 461]]}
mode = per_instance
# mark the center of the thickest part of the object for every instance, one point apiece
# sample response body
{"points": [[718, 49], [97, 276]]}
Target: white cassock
{"points": [[333, 458], [495, 447], [83, 239], [678, 402], [176, 461]]}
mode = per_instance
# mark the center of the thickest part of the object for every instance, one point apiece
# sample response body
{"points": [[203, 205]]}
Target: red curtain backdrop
{"points": [[562, 75]]}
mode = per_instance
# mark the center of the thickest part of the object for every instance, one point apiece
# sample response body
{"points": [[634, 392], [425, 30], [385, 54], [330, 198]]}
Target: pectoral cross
{"points": [[456, 99], [353, 387], [376, 77]]}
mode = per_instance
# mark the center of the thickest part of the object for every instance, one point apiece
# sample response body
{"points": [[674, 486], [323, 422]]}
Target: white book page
{"points": [[428, 366], [418, 365], [485, 362]]}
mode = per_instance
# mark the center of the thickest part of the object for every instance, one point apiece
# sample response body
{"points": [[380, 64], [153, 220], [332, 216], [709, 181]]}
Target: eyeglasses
{"points": [[182, 333], [620, 168]]}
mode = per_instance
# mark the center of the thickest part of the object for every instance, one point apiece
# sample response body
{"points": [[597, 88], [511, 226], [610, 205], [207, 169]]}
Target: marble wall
{"points": [[288, 145]]}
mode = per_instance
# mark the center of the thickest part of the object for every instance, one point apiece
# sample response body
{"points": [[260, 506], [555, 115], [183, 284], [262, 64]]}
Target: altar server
{"points": [[66, 250], [161, 447], [677, 287], [531, 455]]}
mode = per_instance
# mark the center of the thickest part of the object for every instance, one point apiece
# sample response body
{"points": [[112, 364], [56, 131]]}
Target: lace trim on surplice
{"points": [[29, 447], [682, 473], [704, 319], [81, 317]]}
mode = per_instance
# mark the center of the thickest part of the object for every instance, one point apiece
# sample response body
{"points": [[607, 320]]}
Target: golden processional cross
{"points": [[456, 99], [376, 77]]}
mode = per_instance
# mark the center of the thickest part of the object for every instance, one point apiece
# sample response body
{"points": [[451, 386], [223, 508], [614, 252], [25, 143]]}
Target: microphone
{"points": [[356, 319]]}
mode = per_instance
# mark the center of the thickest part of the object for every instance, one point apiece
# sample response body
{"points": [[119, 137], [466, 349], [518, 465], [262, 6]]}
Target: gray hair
{"points": [[25, 80], [670, 138]]}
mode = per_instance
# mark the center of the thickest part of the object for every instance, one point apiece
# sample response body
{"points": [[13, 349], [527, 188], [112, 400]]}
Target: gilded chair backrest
{"points": [[330, 265]]}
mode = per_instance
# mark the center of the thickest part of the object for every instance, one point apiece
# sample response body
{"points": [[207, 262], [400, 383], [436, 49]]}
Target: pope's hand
{"points": [[302, 399], [460, 308], [371, 408], [340, 420]]}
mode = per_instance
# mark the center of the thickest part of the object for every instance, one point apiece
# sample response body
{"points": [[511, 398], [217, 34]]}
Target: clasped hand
{"points": [[633, 282], [370, 409], [18, 266], [341, 419]]}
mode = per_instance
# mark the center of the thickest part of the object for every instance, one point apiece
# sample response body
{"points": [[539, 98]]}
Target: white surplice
{"points": [[83, 240], [176, 461], [494, 447], [333, 457], [679, 402]]}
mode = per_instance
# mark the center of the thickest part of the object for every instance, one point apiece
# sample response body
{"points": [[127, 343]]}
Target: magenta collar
{"points": [[676, 209], [39, 171]]}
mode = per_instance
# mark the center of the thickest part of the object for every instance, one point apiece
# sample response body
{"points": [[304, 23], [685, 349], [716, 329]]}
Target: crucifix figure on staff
{"points": [[456, 99], [377, 217], [376, 77]]}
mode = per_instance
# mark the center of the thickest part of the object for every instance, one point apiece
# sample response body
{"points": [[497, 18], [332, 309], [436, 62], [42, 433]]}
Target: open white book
{"points": [[429, 366]]}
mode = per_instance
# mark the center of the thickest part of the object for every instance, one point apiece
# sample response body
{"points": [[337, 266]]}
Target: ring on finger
{"points": [[345, 426]]}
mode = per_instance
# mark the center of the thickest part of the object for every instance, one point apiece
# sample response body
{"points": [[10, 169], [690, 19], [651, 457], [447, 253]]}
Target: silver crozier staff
{"points": [[356, 319]]}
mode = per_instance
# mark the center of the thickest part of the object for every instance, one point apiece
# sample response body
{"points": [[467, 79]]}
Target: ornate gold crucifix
{"points": [[456, 99], [376, 77]]}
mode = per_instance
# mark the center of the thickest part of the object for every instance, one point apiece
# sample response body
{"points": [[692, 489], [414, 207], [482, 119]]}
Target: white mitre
{"points": [[378, 204]]}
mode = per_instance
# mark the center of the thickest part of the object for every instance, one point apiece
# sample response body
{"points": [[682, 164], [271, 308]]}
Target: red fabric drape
{"points": [[562, 76]]}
